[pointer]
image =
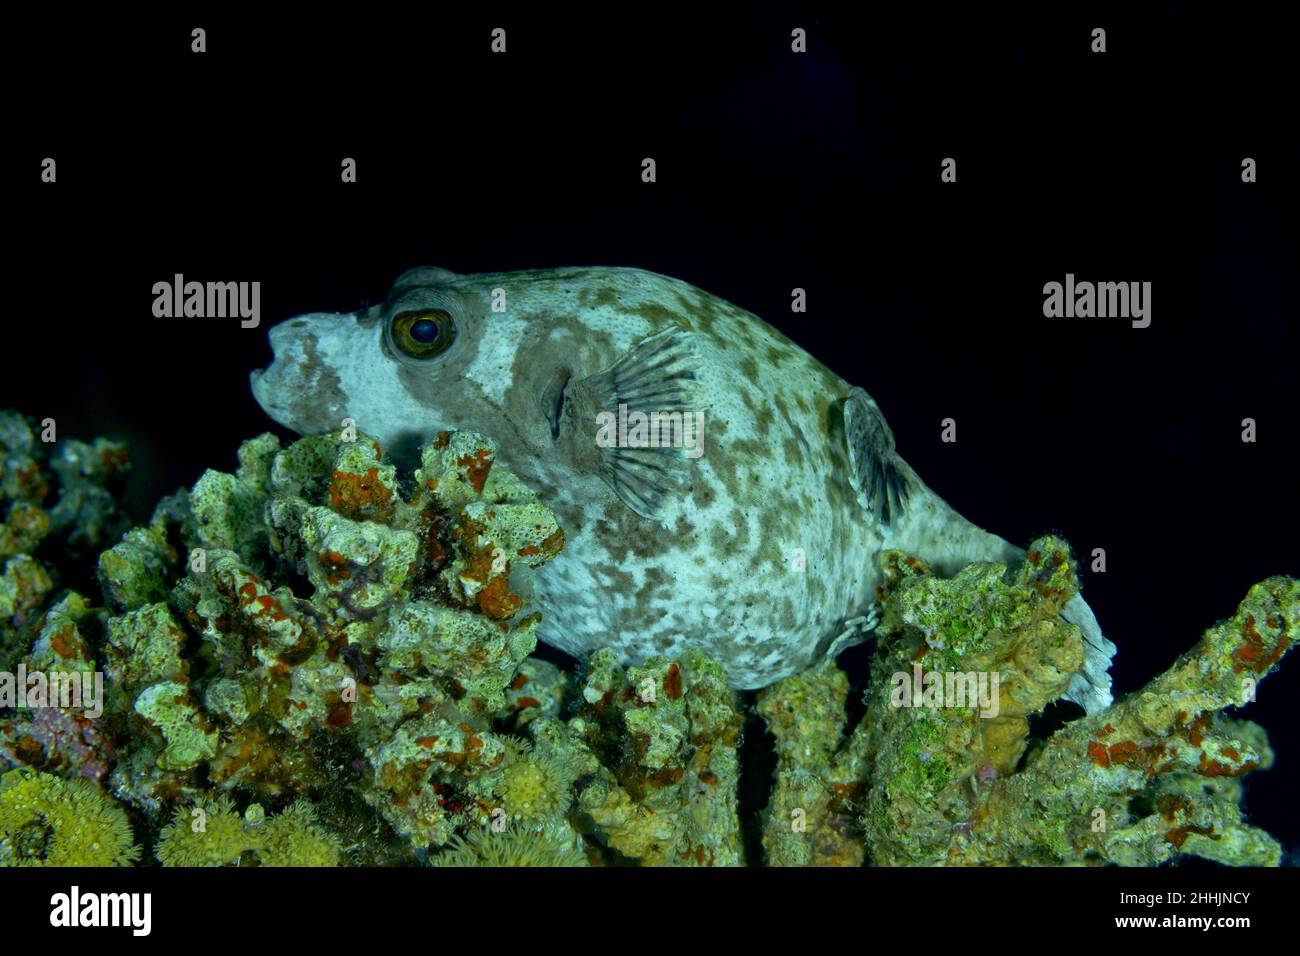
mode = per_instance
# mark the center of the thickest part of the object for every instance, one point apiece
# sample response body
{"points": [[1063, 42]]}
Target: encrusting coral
{"points": [[399, 661], [664, 736], [58, 506], [317, 660]]}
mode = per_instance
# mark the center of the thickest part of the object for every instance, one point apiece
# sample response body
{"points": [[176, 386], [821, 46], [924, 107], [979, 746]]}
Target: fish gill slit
{"points": [[553, 399]]}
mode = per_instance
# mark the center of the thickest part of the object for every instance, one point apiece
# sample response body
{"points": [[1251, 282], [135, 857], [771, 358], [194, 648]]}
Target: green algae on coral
{"points": [[1137, 784], [319, 632]]}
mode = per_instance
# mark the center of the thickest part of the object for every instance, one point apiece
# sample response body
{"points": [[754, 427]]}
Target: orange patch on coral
{"points": [[1252, 654], [497, 600], [114, 459], [337, 565], [1214, 768], [1129, 754], [554, 543], [270, 607], [1178, 835], [1169, 805], [673, 682], [339, 715], [665, 777], [354, 495], [476, 467], [62, 644]]}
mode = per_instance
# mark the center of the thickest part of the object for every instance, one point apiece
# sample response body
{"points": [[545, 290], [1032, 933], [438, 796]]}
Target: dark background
{"points": [[774, 171]]}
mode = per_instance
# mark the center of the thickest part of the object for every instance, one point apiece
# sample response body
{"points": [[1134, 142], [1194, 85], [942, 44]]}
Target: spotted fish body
{"points": [[759, 547]]}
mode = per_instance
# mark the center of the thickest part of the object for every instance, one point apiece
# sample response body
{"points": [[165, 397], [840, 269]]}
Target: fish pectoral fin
{"points": [[875, 470], [646, 406]]}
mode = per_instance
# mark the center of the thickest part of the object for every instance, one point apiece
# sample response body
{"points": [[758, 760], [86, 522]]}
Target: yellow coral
{"points": [[218, 836], [513, 847], [294, 839], [534, 787], [211, 836], [48, 821]]}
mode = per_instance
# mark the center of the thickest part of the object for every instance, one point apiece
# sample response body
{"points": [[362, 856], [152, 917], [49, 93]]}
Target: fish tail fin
{"points": [[1090, 686], [957, 542], [935, 532]]}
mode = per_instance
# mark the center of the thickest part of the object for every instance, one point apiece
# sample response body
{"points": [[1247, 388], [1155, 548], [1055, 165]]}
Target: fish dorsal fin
{"points": [[875, 471], [657, 376]]}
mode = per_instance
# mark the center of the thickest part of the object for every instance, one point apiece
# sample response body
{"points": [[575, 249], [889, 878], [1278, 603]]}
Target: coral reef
{"points": [[665, 736], [217, 836], [809, 818], [934, 777], [48, 821], [315, 660], [396, 665], [510, 848], [59, 508]]}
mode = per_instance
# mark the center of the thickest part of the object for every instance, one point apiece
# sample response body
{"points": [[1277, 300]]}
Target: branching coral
{"points": [[320, 632], [809, 819], [409, 646], [1138, 783], [933, 780], [665, 736]]}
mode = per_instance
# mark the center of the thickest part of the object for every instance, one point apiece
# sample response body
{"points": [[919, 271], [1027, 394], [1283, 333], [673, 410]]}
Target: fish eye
{"points": [[423, 333]]}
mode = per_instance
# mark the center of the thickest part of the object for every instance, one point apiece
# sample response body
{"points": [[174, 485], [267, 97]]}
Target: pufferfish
{"points": [[755, 538]]}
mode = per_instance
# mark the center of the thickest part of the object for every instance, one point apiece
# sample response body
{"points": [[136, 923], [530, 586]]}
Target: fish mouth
{"points": [[269, 384], [553, 399], [281, 407], [298, 388], [263, 382]]}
